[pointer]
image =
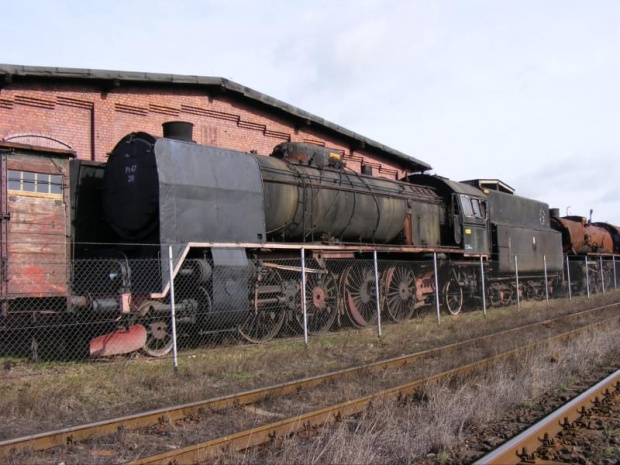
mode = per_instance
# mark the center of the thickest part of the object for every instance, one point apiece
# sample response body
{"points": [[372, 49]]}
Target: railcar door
{"points": [[35, 197]]}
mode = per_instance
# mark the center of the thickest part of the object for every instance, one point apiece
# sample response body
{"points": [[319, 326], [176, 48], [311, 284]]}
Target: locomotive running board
{"points": [[297, 246], [121, 341]]}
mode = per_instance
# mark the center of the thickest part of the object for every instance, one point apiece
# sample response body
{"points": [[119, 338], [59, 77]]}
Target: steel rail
{"points": [[75, 434], [204, 452], [523, 446]]}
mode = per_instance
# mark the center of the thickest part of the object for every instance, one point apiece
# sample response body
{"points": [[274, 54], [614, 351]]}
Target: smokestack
{"points": [[179, 130], [554, 212]]}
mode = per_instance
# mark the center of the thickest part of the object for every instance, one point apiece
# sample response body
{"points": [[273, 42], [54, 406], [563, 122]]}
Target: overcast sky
{"points": [[527, 91]]}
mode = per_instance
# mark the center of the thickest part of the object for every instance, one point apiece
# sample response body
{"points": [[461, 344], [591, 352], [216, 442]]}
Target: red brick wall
{"points": [[91, 121]]}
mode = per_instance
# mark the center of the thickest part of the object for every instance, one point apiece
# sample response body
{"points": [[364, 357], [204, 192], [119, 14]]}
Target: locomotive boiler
{"points": [[582, 238]]}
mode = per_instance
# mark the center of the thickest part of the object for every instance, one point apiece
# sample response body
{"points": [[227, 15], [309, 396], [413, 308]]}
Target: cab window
{"points": [[466, 206], [475, 203]]}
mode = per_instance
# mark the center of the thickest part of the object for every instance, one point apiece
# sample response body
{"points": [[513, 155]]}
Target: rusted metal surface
{"points": [[267, 433], [131, 422], [581, 237], [120, 341], [614, 232], [522, 448], [307, 201]]}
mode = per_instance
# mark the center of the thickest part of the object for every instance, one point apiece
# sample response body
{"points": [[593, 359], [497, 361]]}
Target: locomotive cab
{"points": [[466, 225]]}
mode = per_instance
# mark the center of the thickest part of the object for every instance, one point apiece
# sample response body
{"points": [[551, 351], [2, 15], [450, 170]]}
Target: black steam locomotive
{"points": [[232, 220]]}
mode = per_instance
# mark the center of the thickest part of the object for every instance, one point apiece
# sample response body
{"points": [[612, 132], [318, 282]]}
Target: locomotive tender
{"points": [[233, 219]]}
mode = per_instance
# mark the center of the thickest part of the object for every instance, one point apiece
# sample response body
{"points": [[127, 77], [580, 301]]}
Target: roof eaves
{"points": [[79, 73]]}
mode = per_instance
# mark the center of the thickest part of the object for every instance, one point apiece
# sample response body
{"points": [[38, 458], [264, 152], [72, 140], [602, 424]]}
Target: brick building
{"points": [[88, 111]]}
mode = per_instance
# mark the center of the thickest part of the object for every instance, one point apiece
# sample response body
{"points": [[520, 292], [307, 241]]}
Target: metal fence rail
{"points": [[115, 306]]}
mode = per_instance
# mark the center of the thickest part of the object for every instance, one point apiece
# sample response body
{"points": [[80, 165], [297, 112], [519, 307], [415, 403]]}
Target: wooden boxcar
{"points": [[35, 232]]}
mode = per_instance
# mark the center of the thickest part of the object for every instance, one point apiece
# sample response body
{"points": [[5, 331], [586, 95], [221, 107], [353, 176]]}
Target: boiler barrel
{"points": [[303, 200]]}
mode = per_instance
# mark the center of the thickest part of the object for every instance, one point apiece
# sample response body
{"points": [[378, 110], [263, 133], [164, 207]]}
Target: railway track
{"points": [[534, 444], [82, 433], [265, 434]]}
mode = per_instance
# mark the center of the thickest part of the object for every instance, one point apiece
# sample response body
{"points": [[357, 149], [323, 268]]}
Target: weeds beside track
{"points": [[74, 435]]}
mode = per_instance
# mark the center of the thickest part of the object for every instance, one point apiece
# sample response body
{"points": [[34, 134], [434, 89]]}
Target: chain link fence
{"points": [[115, 307]]}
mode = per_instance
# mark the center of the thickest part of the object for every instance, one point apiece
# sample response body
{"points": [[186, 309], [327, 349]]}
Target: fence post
{"points": [[303, 295], [587, 278], [570, 294], [615, 281], [602, 273], [517, 278], [175, 360], [546, 286], [484, 297], [436, 288], [374, 258]]}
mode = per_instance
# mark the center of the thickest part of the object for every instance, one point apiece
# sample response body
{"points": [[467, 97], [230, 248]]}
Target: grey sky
{"points": [[526, 91]]}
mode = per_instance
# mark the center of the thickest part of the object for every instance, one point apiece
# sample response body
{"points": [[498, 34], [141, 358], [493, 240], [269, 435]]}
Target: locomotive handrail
{"points": [[308, 246]]}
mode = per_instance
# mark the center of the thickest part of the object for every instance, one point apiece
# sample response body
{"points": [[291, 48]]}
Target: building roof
{"points": [[112, 79]]}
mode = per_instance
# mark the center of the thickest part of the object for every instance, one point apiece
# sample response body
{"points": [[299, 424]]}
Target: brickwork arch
{"points": [[38, 140]]}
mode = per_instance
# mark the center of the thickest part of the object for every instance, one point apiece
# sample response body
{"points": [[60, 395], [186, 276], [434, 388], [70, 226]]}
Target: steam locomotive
{"points": [[227, 228], [231, 217]]}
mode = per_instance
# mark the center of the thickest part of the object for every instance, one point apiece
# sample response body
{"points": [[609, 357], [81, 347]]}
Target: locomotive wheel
{"points": [[534, 291], [609, 279], [500, 295], [264, 323], [508, 295], [453, 296], [158, 338], [321, 303], [494, 296], [595, 282], [400, 292], [358, 289]]}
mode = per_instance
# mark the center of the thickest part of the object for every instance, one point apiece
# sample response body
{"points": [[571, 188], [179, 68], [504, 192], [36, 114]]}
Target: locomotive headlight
{"points": [[113, 275]]}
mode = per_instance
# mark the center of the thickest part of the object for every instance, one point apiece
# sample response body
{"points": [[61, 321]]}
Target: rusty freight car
{"points": [[34, 237]]}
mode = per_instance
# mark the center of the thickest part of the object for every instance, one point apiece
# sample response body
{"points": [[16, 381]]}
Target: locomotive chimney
{"points": [[179, 130], [554, 212]]}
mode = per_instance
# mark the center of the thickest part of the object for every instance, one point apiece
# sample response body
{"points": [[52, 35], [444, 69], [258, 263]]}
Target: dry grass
{"points": [[45, 396], [433, 427]]}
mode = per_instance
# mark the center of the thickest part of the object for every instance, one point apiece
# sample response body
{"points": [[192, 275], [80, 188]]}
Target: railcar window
{"points": [[466, 206], [477, 211], [35, 183]]}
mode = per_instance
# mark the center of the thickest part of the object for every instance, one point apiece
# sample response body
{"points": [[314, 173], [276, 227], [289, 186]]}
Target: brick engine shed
{"points": [[88, 111]]}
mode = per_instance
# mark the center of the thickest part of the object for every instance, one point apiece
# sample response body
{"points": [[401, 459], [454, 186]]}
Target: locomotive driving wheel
{"points": [[264, 322], [158, 338], [358, 289], [321, 302], [400, 292], [453, 296]]}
